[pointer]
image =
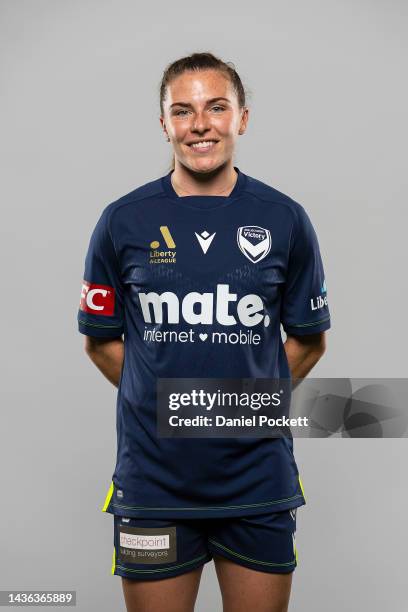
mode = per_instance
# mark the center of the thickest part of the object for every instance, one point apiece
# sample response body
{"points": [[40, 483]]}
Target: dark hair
{"points": [[201, 61]]}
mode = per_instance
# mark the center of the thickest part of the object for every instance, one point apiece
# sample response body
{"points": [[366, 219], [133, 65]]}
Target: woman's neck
{"points": [[220, 182]]}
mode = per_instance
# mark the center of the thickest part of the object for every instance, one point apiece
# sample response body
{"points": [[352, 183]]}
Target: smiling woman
{"points": [[203, 111], [199, 269]]}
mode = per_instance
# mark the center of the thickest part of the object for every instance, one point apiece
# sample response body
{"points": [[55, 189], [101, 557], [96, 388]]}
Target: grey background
{"points": [[80, 128]]}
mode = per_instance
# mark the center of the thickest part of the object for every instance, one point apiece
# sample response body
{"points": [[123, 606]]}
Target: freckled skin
{"points": [[203, 119]]}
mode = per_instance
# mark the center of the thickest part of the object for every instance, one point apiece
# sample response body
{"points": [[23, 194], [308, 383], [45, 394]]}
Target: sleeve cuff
{"points": [[98, 330], [302, 329]]}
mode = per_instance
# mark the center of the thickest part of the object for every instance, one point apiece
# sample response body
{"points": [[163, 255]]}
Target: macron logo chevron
{"points": [[204, 240]]}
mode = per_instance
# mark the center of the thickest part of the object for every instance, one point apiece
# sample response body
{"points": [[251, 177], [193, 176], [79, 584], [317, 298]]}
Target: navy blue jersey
{"points": [[199, 286]]}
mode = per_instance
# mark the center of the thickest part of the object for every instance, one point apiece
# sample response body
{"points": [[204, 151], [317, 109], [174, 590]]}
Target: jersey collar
{"points": [[204, 201]]}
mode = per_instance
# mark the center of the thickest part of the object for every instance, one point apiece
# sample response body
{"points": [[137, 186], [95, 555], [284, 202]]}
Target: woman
{"points": [[198, 270]]}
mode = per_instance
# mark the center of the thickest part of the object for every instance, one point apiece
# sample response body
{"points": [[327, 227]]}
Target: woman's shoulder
{"points": [[150, 189], [267, 193]]}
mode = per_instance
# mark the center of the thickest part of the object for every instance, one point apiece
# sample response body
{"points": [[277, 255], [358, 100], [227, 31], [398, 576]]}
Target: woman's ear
{"points": [[244, 121], [164, 129]]}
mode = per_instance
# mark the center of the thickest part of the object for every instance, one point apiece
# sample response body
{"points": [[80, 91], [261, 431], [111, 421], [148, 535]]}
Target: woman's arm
{"points": [[107, 354], [303, 352]]}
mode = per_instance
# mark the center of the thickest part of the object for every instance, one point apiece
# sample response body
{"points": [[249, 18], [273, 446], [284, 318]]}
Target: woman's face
{"points": [[202, 107]]}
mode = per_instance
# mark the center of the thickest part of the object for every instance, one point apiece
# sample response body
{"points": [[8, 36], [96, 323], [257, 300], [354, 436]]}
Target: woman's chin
{"points": [[204, 164]]}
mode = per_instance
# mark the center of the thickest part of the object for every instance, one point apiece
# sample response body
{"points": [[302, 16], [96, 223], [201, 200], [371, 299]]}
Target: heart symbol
{"points": [[203, 336]]}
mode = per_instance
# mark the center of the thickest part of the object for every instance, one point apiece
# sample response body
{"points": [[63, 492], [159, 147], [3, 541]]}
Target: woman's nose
{"points": [[200, 123]]}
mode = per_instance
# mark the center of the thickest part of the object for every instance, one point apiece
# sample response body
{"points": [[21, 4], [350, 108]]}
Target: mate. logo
{"points": [[254, 242]]}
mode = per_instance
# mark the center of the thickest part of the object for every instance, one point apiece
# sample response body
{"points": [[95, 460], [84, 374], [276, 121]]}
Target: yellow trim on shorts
{"points": [[113, 561], [301, 487], [108, 497]]}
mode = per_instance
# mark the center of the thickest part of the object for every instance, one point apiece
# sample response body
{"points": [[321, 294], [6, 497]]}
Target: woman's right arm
{"points": [[107, 354]]}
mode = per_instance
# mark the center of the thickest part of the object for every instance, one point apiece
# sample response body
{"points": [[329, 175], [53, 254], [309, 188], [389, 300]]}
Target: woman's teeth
{"points": [[203, 145]]}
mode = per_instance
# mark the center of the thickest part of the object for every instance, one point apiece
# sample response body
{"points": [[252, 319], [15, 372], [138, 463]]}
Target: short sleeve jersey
{"points": [[151, 258]]}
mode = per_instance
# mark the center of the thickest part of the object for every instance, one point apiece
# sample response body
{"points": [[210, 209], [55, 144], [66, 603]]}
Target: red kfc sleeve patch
{"points": [[97, 299]]}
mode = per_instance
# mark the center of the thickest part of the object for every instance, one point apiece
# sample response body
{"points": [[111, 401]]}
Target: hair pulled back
{"points": [[196, 62]]}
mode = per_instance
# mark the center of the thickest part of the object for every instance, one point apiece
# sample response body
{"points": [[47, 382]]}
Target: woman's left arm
{"points": [[303, 352]]}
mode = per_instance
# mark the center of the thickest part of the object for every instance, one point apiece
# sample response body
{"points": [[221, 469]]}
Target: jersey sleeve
{"points": [[100, 311], [304, 306]]}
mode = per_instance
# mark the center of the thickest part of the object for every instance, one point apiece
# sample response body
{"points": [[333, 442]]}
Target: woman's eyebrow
{"points": [[211, 101]]}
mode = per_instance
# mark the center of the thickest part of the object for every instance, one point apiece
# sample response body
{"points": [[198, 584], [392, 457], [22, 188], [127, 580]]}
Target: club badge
{"points": [[254, 242]]}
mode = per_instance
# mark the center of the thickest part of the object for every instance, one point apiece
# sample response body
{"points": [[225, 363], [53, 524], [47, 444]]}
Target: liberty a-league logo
{"points": [[254, 242]]}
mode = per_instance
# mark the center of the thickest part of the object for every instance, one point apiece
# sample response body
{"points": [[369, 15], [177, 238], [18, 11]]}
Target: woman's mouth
{"points": [[203, 146]]}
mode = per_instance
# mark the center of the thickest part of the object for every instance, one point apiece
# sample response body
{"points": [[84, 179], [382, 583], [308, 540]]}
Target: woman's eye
{"points": [[182, 112]]}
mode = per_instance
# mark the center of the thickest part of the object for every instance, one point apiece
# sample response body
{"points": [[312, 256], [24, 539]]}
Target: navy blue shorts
{"points": [[149, 549]]}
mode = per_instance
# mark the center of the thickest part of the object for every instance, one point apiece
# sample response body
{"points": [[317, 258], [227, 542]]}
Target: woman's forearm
{"points": [[107, 355], [303, 353]]}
